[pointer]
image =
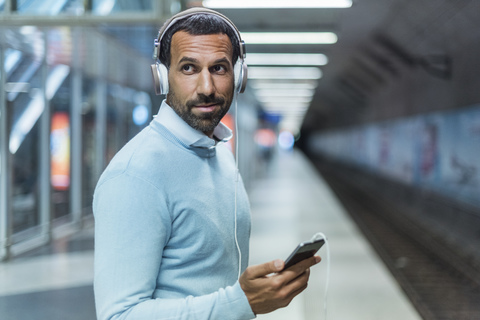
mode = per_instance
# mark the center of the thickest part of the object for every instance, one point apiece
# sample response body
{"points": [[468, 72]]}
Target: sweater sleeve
{"points": [[130, 234]]}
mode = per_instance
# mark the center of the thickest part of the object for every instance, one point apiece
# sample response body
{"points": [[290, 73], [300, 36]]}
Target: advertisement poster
{"points": [[60, 151]]}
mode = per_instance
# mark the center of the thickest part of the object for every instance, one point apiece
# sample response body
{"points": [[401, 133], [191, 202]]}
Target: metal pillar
{"points": [[101, 110], [45, 192], [5, 163], [10, 6], [76, 132]]}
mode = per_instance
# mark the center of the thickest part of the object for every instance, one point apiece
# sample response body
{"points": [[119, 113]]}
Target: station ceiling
{"points": [[377, 39]]}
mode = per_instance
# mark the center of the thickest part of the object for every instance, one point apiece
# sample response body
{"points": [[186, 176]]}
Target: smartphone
{"points": [[303, 251]]}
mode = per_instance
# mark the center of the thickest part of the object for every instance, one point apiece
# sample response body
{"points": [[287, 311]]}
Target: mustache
{"points": [[202, 99]]}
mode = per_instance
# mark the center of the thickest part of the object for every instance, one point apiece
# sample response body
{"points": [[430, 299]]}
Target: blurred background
{"points": [[361, 118]]}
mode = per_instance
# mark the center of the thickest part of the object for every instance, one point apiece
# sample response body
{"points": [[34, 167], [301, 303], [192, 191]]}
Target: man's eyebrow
{"points": [[188, 59], [222, 60], [193, 60]]}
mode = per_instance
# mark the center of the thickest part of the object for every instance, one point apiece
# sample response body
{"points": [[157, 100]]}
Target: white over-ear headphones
{"points": [[160, 71]]}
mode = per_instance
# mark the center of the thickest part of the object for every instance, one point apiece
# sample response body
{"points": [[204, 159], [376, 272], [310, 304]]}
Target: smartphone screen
{"points": [[303, 251]]}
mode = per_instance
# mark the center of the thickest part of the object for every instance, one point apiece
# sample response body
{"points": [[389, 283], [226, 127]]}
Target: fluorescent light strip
{"points": [[27, 120], [55, 79], [289, 37], [287, 107], [293, 126], [285, 100], [293, 114], [310, 73], [12, 57], [285, 104], [294, 109], [290, 105], [285, 59], [284, 93], [280, 85], [244, 4], [292, 122]]}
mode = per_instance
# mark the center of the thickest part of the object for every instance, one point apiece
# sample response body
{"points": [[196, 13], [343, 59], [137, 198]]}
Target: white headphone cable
{"points": [[316, 236], [236, 186]]}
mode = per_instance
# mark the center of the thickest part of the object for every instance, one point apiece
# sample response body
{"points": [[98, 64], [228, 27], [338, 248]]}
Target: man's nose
{"points": [[205, 83]]}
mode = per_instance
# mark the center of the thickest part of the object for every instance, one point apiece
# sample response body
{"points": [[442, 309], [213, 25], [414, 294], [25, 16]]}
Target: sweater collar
{"points": [[167, 117]]}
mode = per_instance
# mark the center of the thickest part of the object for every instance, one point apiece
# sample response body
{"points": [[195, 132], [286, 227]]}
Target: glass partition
{"points": [[89, 155], [26, 103], [106, 7], [48, 7], [61, 95], [80, 7]]}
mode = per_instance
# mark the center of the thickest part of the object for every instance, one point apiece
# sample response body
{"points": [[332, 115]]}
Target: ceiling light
{"points": [[285, 100], [289, 37], [294, 112], [292, 122], [299, 107], [310, 73], [244, 4], [27, 120], [282, 85], [12, 58], [55, 79], [293, 59], [284, 93]]}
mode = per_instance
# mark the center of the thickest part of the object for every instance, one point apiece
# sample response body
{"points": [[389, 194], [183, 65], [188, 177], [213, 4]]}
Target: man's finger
{"points": [[264, 269], [299, 268]]}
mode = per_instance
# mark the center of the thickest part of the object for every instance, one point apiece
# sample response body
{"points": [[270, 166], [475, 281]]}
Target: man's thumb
{"points": [[278, 265], [262, 270]]}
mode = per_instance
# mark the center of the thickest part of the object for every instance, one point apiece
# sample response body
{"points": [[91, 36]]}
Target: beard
{"points": [[206, 121]]}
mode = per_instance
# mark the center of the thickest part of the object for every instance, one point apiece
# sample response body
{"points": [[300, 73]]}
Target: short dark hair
{"points": [[198, 24]]}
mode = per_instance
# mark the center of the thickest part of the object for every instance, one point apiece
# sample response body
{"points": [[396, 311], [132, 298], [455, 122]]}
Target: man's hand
{"points": [[266, 292]]}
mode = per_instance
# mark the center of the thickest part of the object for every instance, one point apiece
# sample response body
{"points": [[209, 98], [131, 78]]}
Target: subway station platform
{"points": [[290, 202]]}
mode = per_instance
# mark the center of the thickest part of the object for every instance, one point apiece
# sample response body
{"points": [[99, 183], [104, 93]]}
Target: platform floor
{"points": [[290, 202]]}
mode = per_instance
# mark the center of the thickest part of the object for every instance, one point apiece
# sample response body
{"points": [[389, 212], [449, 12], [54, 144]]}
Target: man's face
{"points": [[200, 79]]}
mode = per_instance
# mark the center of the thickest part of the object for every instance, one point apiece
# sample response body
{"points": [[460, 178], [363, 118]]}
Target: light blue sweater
{"points": [[164, 232]]}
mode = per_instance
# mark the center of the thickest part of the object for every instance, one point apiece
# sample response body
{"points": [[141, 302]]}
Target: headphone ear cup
{"points": [[160, 78], [244, 78], [240, 74], [236, 73], [156, 79], [163, 72]]}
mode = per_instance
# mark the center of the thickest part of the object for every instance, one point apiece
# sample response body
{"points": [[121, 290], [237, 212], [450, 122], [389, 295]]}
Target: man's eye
{"points": [[218, 69], [187, 68]]}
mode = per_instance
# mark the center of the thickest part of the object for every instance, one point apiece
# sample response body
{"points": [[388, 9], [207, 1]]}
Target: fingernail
{"points": [[317, 259], [278, 264]]}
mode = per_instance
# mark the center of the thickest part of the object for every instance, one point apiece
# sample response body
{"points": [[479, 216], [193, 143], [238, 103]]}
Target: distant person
{"points": [[166, 231]]}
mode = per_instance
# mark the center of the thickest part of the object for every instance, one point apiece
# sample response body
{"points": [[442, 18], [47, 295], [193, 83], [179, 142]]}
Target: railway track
{"points": [[438, 280]]}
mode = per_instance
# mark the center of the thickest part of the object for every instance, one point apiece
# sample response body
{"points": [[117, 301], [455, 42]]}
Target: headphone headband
{"points": [[191, 12]]}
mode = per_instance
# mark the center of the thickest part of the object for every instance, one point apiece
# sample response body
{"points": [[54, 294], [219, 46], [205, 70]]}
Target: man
{"points": [[168, 218]]}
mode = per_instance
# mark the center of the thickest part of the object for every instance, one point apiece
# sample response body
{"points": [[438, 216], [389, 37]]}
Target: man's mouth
{"points": [[206, 107]]}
